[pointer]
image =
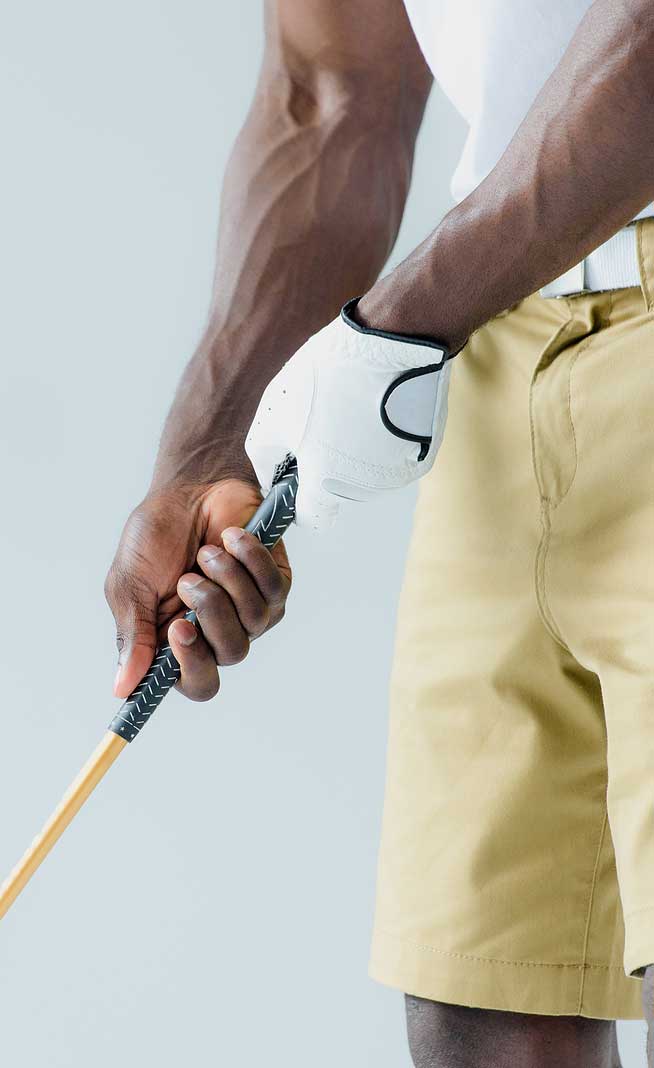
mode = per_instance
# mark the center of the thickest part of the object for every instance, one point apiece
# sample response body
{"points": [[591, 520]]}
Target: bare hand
{"points": [[184, 548]]}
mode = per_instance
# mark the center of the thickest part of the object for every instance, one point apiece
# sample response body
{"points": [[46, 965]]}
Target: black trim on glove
{"points": [[409, 339], [421, 439], [424, 440]]}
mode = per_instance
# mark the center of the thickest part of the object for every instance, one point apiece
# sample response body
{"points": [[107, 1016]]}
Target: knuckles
{"points": [[199, 691], [121, 590], [258, 560], [232, 652], [112, 584], [259, 618], [276, 587], [219, 625], [206, 692]]}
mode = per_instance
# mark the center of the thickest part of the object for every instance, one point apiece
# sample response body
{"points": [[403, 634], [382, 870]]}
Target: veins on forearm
{"points": [[579, 168], [310, 210]]}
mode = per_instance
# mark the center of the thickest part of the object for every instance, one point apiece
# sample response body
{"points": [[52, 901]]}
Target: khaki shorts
{"points": [[517, 859]]}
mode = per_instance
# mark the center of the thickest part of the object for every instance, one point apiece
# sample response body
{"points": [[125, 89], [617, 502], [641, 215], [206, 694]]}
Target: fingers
{"points": [[217, 616], [225, 571], [270, 580], [241, 594], [199, 679], [135, 610]]}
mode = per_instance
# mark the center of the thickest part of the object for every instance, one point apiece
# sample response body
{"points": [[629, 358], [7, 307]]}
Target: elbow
{"points": [[640, 15], [315, 97], [311, 101], [319, 94]]}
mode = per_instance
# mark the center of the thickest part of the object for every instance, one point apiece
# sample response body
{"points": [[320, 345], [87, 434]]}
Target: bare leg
{"points": [[648, 1009], [614, 1059], [454, 1036]]}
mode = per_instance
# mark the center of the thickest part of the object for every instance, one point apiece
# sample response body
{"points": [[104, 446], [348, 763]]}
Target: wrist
{"points": [[197, 467], [190, 500], [404, 302], [459, 277], [203, 440]]}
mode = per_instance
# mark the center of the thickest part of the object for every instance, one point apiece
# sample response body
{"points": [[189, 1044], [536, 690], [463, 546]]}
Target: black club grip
{"points": [[270, 521]]}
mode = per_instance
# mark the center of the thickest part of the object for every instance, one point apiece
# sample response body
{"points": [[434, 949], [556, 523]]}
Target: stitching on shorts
{"points": [[497, 960], [581, 349], [591, 899], [549, 506], [532, 429], [543, 544], [644, 280], [542, 550]]}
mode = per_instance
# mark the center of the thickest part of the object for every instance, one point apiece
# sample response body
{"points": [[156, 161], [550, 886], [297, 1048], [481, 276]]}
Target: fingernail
{"points": [[117, 679], [184, 636], [190, 583], [208, 553], [232, 535]]}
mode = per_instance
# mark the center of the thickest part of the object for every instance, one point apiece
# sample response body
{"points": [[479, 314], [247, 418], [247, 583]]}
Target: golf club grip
{"points": [[270, 521]]}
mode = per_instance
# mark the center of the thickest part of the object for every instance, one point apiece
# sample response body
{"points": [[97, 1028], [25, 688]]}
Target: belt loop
{"points": [[645, 251]]}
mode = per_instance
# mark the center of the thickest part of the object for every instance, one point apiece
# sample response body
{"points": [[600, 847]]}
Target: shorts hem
{"points": [[596, 991], [639, 941]]}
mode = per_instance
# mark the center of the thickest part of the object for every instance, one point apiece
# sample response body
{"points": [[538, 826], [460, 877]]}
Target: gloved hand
{"points": [[363, 412]]}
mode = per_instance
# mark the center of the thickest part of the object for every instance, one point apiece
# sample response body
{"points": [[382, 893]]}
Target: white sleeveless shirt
{"points": [[491, 58]]}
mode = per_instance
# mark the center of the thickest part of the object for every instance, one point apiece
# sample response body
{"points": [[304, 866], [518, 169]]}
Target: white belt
{"points": [[614, 265]]}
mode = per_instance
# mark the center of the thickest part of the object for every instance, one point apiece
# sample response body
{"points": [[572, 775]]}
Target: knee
{"points": [[431, 1031], [459, 1036]]}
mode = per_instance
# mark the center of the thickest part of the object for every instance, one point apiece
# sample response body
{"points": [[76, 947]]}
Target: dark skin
{"points": [[578, 169], [312, 202], [455, 1036]]}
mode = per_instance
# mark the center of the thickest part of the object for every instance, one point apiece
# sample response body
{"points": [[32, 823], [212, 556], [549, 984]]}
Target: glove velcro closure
{"points": [[438, 354]]}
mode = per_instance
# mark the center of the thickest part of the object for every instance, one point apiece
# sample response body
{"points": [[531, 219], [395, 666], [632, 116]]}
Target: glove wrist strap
{"points": [[391, 403], [347, 315]]}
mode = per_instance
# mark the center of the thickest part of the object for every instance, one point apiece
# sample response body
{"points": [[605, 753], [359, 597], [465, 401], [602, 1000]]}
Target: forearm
{"points": [[580, 167], [312, 201]]}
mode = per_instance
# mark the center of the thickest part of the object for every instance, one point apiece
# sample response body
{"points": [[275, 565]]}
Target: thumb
{"points": [[135, 613]]}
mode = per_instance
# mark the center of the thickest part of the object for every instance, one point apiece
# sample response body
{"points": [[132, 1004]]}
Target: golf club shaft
{"points": [[95, 768], [270, 521]]}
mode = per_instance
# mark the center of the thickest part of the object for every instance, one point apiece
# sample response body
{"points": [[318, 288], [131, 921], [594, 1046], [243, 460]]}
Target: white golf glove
{"points": [[362, 411]]}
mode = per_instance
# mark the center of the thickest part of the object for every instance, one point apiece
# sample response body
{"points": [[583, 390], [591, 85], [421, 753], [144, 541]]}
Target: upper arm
{"points": [[364, 49]]}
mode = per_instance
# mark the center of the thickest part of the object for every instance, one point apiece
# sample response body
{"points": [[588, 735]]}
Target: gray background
{"points": [[213, 902]]}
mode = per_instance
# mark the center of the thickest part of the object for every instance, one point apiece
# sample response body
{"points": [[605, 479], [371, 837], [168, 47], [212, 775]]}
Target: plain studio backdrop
{"points": [[212, 904]]}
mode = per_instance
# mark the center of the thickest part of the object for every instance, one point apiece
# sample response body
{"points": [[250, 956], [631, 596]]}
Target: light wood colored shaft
{"points": [[95, 768]]}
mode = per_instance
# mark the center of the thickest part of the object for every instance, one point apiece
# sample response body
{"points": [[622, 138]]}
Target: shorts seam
{"points": [[557, 339], [581, 349], [644, 280], [542, 554], [496, 960], [591, 899], [554, 340]]}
